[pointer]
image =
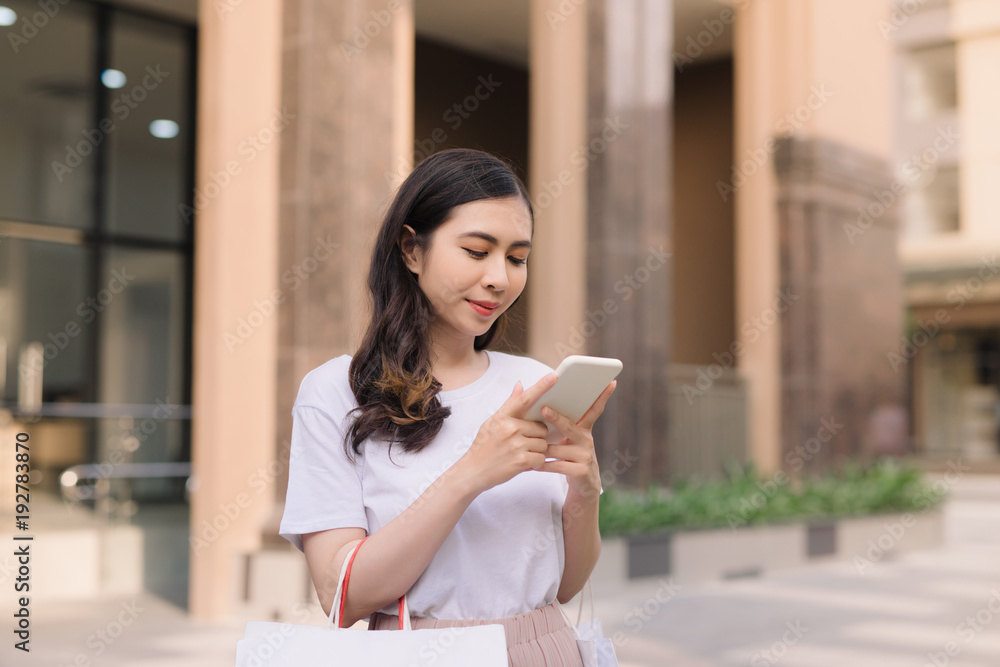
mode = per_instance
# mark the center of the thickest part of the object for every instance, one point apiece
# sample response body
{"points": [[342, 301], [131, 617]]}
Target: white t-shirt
{"points": [[505, 555]]}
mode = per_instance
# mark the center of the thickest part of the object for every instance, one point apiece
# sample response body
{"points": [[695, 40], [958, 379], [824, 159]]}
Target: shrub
{"points": [[744, 498]]}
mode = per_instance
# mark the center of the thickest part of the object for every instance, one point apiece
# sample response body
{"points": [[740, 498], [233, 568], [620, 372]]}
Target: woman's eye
{"points": [[479, 254]]}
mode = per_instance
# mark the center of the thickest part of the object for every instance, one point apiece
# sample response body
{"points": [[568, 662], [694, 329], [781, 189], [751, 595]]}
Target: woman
{"points": [[418, 439]]}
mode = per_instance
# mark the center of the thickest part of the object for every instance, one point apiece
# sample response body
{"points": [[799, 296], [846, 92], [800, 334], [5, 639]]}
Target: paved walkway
{"points": [[935, 608], [907, 612]]}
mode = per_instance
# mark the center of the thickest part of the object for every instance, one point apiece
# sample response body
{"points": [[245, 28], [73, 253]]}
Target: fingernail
{"points": [[547, 412], [552, 377]]}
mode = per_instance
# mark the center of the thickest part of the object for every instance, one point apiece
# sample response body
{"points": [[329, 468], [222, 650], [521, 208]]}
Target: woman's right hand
{"points": [[507, 444]]}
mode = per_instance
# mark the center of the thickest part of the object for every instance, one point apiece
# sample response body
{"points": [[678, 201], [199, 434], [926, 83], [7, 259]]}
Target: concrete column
{"points": [[629, 228], [600, 154], [558, 189], [285, 247], [236, 235], [348, 70], [758, 60]]}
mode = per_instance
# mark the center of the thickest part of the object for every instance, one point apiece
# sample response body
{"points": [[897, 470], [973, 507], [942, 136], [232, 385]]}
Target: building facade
{"points": [[948, 142], [704, 176]]}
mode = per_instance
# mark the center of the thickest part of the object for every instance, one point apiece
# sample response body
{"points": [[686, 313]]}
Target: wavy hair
{"points": [[390, 374]]}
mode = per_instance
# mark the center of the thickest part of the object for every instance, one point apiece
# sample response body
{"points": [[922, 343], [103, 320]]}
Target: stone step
{"points": [[73, 555]]}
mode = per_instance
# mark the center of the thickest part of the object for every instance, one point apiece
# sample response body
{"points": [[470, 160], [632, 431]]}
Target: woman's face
{"points": [[475, 266]]}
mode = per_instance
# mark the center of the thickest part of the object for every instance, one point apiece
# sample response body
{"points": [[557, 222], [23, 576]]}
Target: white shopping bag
{"points": [[595, 649], [288, 645], [291, 645]]}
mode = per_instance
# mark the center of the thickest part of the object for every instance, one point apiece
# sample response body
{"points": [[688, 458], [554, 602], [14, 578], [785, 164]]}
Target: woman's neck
{"points": [[454, 370]]}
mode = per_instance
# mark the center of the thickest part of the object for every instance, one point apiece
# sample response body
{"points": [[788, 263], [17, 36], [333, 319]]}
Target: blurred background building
{"points": [[779, 214]]}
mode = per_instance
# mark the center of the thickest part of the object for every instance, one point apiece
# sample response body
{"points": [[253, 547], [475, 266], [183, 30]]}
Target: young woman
{"points": [[419, 441]]}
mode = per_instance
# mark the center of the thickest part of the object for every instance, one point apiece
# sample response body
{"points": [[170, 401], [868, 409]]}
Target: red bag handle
{"points": [[347, 578]]}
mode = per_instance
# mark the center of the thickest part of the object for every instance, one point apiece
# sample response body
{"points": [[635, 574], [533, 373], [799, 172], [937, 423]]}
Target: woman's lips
{"points": [[483, 309]]}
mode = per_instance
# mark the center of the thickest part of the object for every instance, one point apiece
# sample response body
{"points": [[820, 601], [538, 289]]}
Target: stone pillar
{"points": [[348, 75], [236, 233], [629, 227], [285, 247], [813, 139], [842, 293]]}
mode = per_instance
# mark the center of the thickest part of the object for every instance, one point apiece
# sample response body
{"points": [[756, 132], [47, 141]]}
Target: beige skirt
{"points": [[539, 638]]}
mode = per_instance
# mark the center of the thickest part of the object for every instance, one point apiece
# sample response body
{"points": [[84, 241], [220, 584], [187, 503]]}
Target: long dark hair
{"points": [[390, 374]]}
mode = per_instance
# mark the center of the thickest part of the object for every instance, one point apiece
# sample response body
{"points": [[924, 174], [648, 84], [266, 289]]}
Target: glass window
{"points": [[47, 165], [147, 148], [929, 86], [40, 305], [934, 207], [143, 334], [96, 108], [142, 357]]}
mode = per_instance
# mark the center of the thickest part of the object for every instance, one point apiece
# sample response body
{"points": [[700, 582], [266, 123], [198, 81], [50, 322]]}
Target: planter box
{"points": [[728, 554], [694, 555], [875, 538]]}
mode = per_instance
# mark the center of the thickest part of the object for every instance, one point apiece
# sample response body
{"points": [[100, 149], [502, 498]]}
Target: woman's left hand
{"points": [[576, 456]]}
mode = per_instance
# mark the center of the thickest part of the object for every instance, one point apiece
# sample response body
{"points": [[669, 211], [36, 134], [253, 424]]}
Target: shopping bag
{"points": [[595, 649], [290, 645]]}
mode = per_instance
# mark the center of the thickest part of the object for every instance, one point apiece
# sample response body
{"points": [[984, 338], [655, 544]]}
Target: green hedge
{"points": [[745, 498]]}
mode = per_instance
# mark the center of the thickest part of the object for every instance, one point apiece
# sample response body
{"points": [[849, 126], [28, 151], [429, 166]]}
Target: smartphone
{"points": [[581, 381]]}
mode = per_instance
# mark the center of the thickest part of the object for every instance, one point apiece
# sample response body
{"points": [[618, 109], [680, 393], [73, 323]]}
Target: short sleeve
{"points": [[324, 486]]}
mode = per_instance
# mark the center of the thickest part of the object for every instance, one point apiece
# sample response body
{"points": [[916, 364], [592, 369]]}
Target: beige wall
{"points": [[703, 220], [496, 121], [847, 53], [976, 27], [785, 52]]}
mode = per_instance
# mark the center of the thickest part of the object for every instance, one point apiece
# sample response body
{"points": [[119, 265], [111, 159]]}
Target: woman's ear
{"points": [[409, 249]]}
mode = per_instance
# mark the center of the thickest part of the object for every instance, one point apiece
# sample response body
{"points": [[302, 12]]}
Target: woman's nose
{"points": [[496, 275]]}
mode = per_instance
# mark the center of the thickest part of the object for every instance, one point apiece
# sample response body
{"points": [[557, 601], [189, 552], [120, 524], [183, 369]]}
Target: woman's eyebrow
{"points": [[489, 238]]}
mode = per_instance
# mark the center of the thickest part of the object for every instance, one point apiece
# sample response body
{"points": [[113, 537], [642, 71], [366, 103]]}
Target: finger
{"points": [[536, 460], [574, 453], [532, 429], [493, 422], [595, 410], [563, 423], [564, 467], [538, 445], [516, 406]]}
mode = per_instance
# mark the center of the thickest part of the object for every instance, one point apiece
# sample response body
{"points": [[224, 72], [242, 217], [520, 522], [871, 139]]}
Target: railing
{"points": [[708, 420], [59, 436], [70, 479]]}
